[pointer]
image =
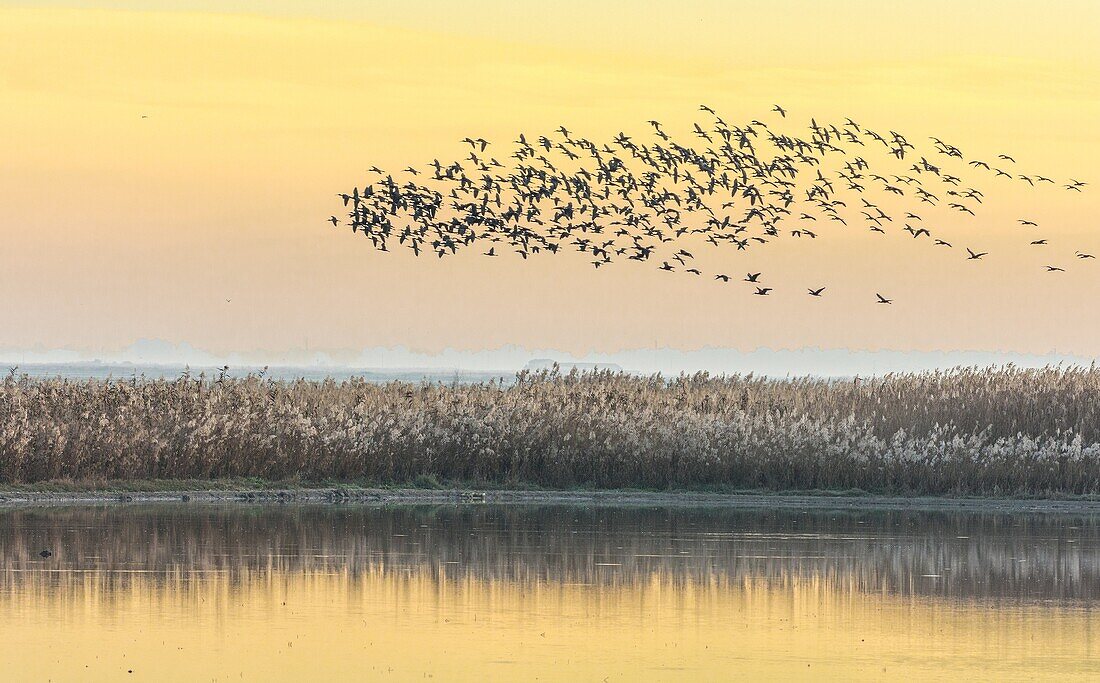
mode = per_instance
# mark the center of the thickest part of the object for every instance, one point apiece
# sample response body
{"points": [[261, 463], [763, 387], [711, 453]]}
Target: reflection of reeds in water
{"points": [[976, 431], [409, 625], [929, 554]]}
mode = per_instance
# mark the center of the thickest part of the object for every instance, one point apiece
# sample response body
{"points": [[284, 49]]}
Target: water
{"points": [[228, 593]]}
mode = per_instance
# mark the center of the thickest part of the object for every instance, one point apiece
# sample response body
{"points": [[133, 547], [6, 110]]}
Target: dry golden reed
{"points": [[966, 431]]}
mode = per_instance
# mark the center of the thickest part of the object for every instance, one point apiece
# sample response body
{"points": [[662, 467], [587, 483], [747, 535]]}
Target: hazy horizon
{"points": [[511, 358]]}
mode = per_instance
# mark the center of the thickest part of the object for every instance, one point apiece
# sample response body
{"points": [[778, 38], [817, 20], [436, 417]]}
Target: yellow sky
{"points": [[117, 227]]}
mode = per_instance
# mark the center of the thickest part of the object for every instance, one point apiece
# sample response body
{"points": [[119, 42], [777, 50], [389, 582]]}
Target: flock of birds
{"points": [[735, 186]]}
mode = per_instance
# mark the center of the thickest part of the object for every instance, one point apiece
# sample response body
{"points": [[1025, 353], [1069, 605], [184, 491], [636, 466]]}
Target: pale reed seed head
{"points": [[967, 430]]}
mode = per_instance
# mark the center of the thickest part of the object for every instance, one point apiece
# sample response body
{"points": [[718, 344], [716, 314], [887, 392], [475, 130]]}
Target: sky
{"points": [[204, 223]]}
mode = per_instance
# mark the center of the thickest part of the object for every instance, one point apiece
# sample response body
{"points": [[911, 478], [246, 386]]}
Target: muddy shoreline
{"points": [[378, 496]]}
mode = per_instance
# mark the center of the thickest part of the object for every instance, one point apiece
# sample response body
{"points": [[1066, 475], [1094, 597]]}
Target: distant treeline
{"points": [[987, 431]]}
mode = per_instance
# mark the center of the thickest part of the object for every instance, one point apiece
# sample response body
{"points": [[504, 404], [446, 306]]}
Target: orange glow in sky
{"points": [[167, 174]]}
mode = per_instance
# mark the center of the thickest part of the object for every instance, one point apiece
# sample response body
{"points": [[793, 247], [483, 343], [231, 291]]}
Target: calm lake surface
{"points": [[227, 593]]}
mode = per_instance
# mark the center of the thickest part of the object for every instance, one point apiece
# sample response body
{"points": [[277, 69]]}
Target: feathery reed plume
{"points": [[1001, 430]]}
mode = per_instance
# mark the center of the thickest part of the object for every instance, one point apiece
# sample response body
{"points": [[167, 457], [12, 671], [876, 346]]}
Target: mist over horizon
{"points": [[508, 359]]}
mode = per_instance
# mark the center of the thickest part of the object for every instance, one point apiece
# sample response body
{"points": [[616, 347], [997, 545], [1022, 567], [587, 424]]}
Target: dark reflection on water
{"points": [[950, 555]]}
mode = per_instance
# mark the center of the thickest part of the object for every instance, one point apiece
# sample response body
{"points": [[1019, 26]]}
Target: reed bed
{"points": [[983, 431]]}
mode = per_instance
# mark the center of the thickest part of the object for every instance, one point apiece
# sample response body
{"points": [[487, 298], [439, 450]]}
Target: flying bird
{"points": [[717, 185]]}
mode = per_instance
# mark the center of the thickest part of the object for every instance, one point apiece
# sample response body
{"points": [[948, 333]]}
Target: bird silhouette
{"points": [[738, 186]]}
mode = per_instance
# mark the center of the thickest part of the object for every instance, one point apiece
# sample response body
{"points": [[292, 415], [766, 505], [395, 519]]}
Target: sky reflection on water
{"points": [[191, 592]]}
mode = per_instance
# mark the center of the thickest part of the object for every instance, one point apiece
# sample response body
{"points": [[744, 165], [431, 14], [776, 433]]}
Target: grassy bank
{"points": [[1001, 432]]}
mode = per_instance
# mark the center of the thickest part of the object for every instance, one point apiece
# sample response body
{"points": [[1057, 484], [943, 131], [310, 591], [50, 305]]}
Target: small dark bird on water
{"points": [[44, 554]]}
